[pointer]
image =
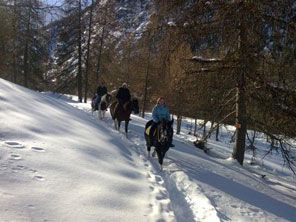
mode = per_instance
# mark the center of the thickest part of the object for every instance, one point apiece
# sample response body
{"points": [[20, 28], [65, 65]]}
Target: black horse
{"points": [[123, 113], [95, 103], [161, 139]]}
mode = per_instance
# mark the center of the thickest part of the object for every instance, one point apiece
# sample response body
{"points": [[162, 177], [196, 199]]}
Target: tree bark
{"points": [[217, 132], [79, 74], [241, 123], [179, 122], [88, 52], [195, 127], [146, 79], [26, 51], [100, 53]]}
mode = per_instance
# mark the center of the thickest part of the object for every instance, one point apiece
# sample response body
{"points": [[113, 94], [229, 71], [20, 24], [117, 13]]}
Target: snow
{"points": [[202, 59], [58, 162], [172, 24]]}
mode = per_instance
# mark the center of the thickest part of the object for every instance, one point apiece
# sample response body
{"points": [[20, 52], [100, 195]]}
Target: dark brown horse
{"points": [[123, 113], [161, 139]]}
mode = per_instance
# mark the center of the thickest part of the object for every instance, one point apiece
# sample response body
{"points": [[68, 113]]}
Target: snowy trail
{"points": [[207, 197], [181, 191], [172, 193]]}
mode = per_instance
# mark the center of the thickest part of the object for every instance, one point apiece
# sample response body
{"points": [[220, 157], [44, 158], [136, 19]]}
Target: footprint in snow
{"points": [[15, 157], [15, 145], [37, 149], [38, 177], [18, 167]]}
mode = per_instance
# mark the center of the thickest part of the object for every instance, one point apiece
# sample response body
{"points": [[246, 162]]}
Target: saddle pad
{"points": [[147, 131]]}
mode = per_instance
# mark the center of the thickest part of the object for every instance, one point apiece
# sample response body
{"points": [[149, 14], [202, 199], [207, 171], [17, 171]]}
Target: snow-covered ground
{"points": [[58, 162]]}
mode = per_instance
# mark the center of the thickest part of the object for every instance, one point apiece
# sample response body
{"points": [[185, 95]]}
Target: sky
{"points": [[59, 162]]}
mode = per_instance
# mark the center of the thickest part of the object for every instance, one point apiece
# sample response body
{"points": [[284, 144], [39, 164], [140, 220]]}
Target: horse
{"points": [[135, 106], [104, 104], [95, 103], [162, 137], [124, 112]]}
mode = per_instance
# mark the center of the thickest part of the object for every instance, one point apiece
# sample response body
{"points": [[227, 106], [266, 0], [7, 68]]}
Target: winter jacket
{"points": [[123, 95], [160, 112], [101, 90]]}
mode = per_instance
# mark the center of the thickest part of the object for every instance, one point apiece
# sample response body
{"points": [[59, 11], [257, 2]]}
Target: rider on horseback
{"points": [[160, 112], [101, 90], [96, 99], [123, 95]]}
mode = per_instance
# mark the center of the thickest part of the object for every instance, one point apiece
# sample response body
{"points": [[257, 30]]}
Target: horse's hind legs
{"points": [[154, 153], [126, 127], [160, 157], [116, 124]]}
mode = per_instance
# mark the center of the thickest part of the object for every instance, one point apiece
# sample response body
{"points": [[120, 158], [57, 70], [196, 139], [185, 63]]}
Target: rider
{"points": [[123, 95], [101, 90], [159, 112]]}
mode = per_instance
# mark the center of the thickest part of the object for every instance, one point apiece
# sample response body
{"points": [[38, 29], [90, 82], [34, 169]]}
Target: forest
{"points": [[225, 62]]}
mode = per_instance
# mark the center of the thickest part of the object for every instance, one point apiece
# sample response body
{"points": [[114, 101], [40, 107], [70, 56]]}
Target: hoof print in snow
{"points": [[15, 145], [37, 149], [15, 157], [158, 179]]}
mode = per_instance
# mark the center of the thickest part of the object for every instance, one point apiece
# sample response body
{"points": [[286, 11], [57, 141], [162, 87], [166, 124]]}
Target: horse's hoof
{"points": [[154, 153]]}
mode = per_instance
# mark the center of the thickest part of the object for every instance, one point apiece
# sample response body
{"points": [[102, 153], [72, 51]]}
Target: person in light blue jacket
{"points": [[159, 112]]}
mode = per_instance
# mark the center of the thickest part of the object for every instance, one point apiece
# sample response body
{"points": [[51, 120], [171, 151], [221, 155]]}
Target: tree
{"points": [[27, 43]]}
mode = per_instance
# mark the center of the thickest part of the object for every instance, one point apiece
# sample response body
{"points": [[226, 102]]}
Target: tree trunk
{"points": [[88, 52], [100, 53], [210, 132], [15, 31], [239, 150], [195, 127], [146, 81], [217, 132], [241, 123], [179, 122], [26, 51], [204, 129], [79, 74]]}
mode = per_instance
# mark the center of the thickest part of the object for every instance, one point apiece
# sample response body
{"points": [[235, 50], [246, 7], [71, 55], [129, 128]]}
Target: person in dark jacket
{"points": [[123, 95], [101, 90]]}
